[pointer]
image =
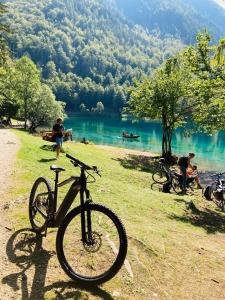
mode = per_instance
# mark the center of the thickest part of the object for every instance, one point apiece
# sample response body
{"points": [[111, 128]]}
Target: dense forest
{"points": [[87, 51], [180, 18], [91, 51]]}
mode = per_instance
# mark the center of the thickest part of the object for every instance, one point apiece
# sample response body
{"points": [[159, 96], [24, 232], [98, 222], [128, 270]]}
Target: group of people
{"points": [[188, 171]]}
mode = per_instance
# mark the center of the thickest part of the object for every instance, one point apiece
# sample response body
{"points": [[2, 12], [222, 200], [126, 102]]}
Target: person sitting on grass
{"points": [[57, 131], [192, 174]]}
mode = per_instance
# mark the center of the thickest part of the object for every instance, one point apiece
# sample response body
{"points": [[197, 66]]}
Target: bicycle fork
{"points": [[86, 224]]}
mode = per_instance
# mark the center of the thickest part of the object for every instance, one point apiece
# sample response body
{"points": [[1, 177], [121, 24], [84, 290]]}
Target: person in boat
{"points": [[125, 133], [184, 163], [131, 134], [57, 131]]}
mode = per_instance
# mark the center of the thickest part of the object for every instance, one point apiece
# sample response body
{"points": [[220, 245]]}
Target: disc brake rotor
{"points": [[94, 244]]}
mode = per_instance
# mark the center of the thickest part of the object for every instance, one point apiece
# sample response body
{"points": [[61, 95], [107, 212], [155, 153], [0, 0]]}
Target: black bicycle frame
{"points": [[56, 217]]}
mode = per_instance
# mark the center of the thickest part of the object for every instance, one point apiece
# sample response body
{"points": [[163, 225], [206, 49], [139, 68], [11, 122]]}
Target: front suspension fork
{"points": [[86, 224]]}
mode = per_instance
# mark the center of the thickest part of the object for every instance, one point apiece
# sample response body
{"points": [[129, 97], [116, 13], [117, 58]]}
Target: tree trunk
{"points": [[8, 121], [167, 139]]}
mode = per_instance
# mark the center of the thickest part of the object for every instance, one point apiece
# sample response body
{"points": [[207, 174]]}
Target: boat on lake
{"points": [[130, 136]]}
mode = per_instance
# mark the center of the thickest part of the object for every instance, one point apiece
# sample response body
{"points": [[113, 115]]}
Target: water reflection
{"points": [[210, 150]]}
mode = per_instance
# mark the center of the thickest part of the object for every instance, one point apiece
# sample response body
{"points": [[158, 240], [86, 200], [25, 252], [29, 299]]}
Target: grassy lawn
{"points": [[176, 243]]}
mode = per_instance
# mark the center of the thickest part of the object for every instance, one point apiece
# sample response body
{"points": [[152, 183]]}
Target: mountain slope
{"points": [[87, 50], [92, 50], [183, 18]]}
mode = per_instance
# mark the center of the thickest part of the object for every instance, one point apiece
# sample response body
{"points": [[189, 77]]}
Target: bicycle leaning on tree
{"points": [[91, 242]]}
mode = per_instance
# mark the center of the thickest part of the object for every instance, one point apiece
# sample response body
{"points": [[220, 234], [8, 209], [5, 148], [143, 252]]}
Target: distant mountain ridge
{"points": [[180, 18]]}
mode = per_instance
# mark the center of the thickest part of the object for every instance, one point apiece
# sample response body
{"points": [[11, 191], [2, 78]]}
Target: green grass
{"points": [[175, 243]]}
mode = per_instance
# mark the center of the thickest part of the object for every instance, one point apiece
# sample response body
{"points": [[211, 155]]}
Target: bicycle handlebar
{"points": [[82, 165], [217, 174]]}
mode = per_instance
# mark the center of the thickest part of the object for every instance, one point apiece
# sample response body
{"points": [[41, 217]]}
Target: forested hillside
{"points": [[181, 18], [88, 51]]}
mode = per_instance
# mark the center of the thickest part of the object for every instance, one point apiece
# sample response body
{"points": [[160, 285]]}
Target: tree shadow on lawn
{"points": [[208, 219], [24, 249], [139, 162]]}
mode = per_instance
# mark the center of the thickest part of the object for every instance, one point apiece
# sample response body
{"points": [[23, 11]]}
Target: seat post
{"points": [[56, 190]]}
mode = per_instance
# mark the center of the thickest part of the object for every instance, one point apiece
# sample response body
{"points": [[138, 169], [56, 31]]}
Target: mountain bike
{"points": [[174, 181], [91, 241], [216, 190], [161, 175]]}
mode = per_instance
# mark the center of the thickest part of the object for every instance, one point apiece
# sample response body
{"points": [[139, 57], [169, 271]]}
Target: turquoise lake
{"points": [[209, 150]]}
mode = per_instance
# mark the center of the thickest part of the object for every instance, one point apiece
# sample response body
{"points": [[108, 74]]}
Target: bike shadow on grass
{"points": [[24, 249], [210, 220], [139, 162]]}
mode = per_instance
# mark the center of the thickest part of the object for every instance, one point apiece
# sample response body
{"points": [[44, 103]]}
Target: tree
{"points": [[4, 30], [45, 109], [165, 96], [99, 107], [28, 84], [83, 107], [207, 63], [188, 88], [9, 104]]}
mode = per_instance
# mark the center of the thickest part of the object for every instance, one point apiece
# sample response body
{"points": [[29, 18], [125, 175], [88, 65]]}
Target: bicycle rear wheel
{"points": [[39, 203], [99, 260], [160, 176]]}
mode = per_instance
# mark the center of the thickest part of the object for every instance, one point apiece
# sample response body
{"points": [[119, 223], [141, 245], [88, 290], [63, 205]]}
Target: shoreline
{"points": [[204, 173], [126, 151]]}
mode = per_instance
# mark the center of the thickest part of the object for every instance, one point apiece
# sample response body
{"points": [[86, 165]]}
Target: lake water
{"points": [[209, 150]]}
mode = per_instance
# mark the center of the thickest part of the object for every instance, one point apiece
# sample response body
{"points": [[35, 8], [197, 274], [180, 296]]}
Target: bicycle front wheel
{"points": [[160, 177], [97, 261]]}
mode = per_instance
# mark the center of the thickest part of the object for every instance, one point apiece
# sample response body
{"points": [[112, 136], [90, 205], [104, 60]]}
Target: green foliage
{"points": [[4, 29], [189, 87], [9, 102], [86, 50], [207, 65], [176, 17], [44, 109], [166, 97], [24, 96], [99, 107], [28, 83]]}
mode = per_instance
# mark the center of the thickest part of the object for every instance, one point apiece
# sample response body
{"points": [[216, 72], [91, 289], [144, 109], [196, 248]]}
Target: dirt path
{"points": [[9, 145]]}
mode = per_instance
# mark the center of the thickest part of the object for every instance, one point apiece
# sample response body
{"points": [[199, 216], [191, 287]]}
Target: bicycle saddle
{"points": [[56, 169]]}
